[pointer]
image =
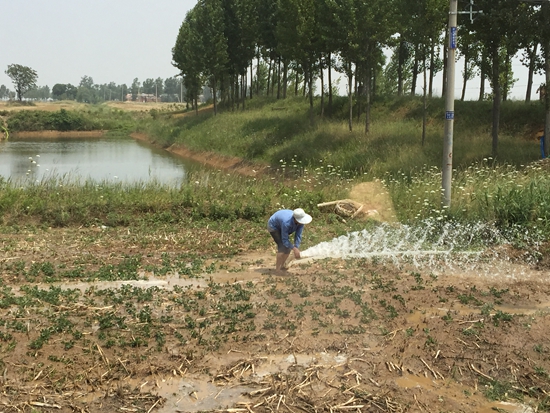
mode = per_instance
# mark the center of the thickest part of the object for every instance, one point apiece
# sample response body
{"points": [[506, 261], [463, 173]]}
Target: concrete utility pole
{"points": [[447, 168]]}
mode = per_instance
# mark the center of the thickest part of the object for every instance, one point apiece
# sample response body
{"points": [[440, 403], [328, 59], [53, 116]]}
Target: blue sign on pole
{"points": [[453, 38], [449, 115]]}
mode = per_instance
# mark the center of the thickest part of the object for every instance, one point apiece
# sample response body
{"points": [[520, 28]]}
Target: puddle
{"points": [[449, 389], [147, 281], [196, 394], [457, 310], [279, 363]]}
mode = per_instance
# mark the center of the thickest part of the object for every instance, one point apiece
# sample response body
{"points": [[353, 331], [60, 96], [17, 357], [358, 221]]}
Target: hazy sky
{"points": [[108, 40], [119, 40]]}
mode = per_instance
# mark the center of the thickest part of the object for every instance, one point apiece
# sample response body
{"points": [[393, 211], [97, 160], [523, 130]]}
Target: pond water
{"points": [[120, 159]]}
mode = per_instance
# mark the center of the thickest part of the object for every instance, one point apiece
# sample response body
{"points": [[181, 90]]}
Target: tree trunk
{"points": [[415, 71], [330, 84], [296, 84], [465, 80], [432, 68], [358, 91], [258, 77], [506, 85], [373, 91], [400, 69], [482, 76], [279, 78], [236, 101], [350, 96], [251, 77], [367, 99], [268, 77], [214, 95], [532, 56], [243, 94], [546, 8], [310, 81], [322, 88], [285, 77], [496, 100]]}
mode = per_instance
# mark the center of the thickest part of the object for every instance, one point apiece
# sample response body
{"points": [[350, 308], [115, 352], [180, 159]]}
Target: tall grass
{"points": [[270, 130], [514, 199], [211, 196]]}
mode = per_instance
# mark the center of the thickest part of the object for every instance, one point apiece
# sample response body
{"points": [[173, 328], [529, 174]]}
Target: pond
{"points": [[120, 159]]}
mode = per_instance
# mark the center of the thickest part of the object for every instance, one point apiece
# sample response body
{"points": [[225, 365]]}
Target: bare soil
{"points": [[329, 335]]}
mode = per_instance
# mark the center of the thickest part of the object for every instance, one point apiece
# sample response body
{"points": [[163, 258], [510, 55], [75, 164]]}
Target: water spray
{"points": [[430, 245]]}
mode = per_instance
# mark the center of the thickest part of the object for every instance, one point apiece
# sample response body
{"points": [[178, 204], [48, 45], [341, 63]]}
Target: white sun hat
{"points": [[301, 217]]}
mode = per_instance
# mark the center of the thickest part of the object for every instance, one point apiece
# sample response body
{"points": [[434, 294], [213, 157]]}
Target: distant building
{"points": [[143, 97]]}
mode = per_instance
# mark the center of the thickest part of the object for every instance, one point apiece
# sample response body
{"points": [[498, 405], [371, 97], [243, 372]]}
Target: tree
{"points": [[213, 43], [267, 36], [58, 91], [172, 88], [158, 87], [186, 56], [86, 81], [136, 85], [297, 34], [40, 93], [71, 92], [3, 91], [496, 30], [87, 92], [24, 78], [148, 86]]}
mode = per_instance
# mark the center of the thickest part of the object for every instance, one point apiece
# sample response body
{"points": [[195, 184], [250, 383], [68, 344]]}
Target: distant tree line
{"points": [[165, 90]]}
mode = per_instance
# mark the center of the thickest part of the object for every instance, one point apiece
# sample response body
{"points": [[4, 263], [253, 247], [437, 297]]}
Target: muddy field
{"points": [[99, 319]]}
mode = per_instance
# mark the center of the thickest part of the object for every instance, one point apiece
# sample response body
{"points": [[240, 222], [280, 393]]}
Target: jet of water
{"points": [[430, 244]]}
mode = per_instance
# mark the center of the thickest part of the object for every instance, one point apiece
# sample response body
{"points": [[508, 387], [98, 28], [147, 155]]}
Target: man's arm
{"points": [[285, 237], [298, 236]]}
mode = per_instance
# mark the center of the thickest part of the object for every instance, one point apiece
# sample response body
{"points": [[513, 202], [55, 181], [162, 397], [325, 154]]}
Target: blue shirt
{"points": [[283, 221]]}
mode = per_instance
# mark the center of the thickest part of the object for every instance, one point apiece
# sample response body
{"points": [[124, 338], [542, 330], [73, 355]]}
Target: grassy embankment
{"points": [[325, 158]]}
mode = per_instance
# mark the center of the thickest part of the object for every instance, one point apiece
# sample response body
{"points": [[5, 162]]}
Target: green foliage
{"points": [[274, 130], [23, 77], [68, 120], [213, 196]]}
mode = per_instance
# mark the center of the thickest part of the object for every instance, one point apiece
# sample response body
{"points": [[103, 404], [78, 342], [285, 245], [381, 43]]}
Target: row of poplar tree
{"points": [[222, 42]]}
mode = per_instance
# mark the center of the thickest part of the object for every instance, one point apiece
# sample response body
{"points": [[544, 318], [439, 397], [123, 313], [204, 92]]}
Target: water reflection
{"points": [[98, 159]]}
